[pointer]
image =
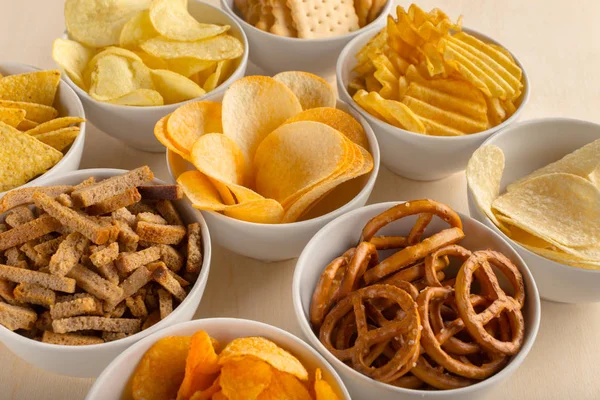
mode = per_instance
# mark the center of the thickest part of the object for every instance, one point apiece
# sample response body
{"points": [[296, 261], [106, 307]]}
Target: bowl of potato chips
{"points": [[304, 35], [431, 90], [139, 60], [219, 358], [41, 105], [537, 184]]}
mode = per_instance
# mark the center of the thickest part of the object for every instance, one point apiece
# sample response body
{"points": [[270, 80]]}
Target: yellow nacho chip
{"points": [[11, 116], [33, 87], [60, 139], [34, 112], [55, 124]]}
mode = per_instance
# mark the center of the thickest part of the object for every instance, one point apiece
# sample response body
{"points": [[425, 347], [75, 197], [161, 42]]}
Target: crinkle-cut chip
{"points": [[23, 157], [218, 157], [172, 20], [201, 366], [253, 107], [98, 23], [374, 44], [137, 30], [188, 66], [222, 47], [556, 207], [115, 76], [160, 132], [72, 57], [296, 156], [57, 123], [208, 393], [200, 191], [265, 350], [222, 72], [284, 386], [337, 119], [245, 378], [161, 370], [140, 97], [460, 89], [372, 84], [495, 111], [387, 76], [34, 112], [433, 60], [175, 88], [33, 87], [312, 91], [582, 162], [452, 120], [192, 120], [12, 116], [323, 390], [264, 211], [60, 139], [391, 111]]}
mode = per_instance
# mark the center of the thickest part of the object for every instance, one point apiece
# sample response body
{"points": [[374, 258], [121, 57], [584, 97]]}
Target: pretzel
{"points": [[430, 262], [437, 377], [389, 242]]}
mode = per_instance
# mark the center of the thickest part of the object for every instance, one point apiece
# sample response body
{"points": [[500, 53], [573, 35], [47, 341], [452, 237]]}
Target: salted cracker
{"points": [[320, 18]]}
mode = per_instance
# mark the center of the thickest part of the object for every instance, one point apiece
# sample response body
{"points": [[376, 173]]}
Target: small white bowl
{"points": [[413, 155], [276, 242], [68, 104], [528, 146], [274, 54], [135, 125], [115, 380], [89, 361], [343, 233]]}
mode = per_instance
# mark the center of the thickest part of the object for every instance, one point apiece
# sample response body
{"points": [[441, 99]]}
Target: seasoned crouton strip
{"points": [[171, 257], [65, 200], [164, 278], [112, 336], [169, 212], [161, 234], [49, 247], [107, 188], [161, 192], [68, 254], [194, 249], [138, 279], [88, 182], [125, 325], [13, 256], [6, 292], [70, 339], [115, 202], [38, 259], [20, 275], [106, 255], [34, 294], [28, 231], [165, 303], [44, 321], [123, 214], [3, 227], [17, 317], [129, 262], [95, 284], [118, 311], [72, 219], [152, 319], [19, 216], [109, 272], [99, 304], [153, 265], [66, 309], [151, 217], [136, 306], [127, 237], [140, 207], [19, 197]]}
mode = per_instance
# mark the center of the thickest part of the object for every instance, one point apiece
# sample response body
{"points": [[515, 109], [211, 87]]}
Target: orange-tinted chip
{"points": [[285, 386], [193, 120], [323, 390], [245, 378], [201, 366], [208, 394]]}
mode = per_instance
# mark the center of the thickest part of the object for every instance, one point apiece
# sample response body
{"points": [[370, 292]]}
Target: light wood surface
{"points": [[557, 43]]}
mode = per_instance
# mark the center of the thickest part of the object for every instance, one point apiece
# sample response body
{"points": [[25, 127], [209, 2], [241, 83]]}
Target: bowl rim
{"points": [[369, 185], [394, 130], [129, 340], [79, 140], [323, 363], [377, 21], [206, 96], [513, 364], [507, 131]]}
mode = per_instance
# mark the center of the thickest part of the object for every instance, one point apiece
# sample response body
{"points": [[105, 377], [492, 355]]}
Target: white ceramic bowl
{"points": [[276, 242], [528, 146], [134, 126], [68, 104], [273, 53], [343, 233], [413, 155], [114, 381], [89, 361]]}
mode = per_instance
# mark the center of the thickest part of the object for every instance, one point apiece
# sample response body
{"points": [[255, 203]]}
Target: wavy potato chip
{"points": [[34, 112], [137, 30], [32, 87], [192, 120], [201, 366], [175, 88], [60, 139], [172, 20], [55, 124], [222, 47], [245, 379], [284, 386], [72, 57], [200, 191], [140, 97], [209, 393], [312, 91], [12, 116]]}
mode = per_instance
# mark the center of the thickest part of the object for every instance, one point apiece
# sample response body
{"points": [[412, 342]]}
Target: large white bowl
{"points": [[89, 361], [343, 233], [135, 125], [413, 155], [528, 146], [273, 53], [114, 381], [68, 104], [276, 242]]}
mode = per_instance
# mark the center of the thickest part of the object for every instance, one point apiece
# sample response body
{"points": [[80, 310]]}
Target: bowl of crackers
{"points": [[272, 162], [219, 358], [92, 262], [540, 191], [138, 62], [44, 107], [305, 35], [414, 300], [431, 89]]}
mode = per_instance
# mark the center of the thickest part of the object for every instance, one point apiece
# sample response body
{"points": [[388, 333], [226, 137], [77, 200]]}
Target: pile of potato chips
{"points": [[32, 139], [270, 151], [554, 211], [142, 52], [190, 368], [422, 74]]}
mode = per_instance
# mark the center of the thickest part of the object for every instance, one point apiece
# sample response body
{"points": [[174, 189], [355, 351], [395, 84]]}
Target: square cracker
{"points": [[323, 18], [283, 24]]}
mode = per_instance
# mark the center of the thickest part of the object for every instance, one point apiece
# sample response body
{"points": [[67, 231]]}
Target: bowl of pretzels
{"points": [[415, 300]]}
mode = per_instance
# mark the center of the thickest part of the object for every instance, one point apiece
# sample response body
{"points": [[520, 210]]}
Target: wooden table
{"points": [[557, 43]]}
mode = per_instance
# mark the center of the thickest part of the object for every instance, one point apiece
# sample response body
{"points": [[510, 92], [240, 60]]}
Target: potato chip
{"points": [[98, 23], [263, 211], [117, 51], [55, 124], [60, 139], [34, 112], [72, 57], [223, 47], [137, 30], [160, 132], [193, 120], [151, 61], [221, 73], [140, 97], [208, 394], [219, 396], [32, 87], [323, 390], [115, 76], [265, 350], [284, 386], [201, 366], [173, 87], [12, 116], [200, 191], [218, 157], [312, 91], [253, 107], [245, 378], [161, 370], [391, 111], [188, 66]]}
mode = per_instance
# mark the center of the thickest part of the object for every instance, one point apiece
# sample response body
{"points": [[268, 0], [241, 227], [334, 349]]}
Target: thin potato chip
{"points": [[264, 211], [160, 132], [188, 66], [312, 91], [200, 191], [245, 379], [72, 57], [137, 30], [193, 120], [219, 396], [208, 394], [201, 366], [140, 97], [55, 124], [34, 112], [11, 116], [152, 61], [284, 386], [33, 87], [323, 390], [218, 157], [115, 76], [117, 51], [175, 88], [60, 139], [223, 47], [221, 73]]}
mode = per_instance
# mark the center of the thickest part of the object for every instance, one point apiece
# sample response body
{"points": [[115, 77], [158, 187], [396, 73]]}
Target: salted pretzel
{"points": [[431, 263], [437, 377]]}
